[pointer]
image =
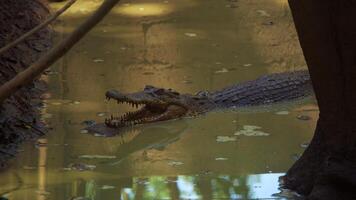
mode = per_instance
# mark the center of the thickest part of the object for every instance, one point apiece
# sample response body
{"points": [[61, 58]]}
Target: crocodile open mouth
{"points": [[148, 110]]}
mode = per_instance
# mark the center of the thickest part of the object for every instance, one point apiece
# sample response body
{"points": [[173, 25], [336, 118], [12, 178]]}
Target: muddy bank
{"points": [[19, 115]]}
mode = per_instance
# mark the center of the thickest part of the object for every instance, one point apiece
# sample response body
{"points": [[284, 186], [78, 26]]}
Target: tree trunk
{"points": [[327, 34]]}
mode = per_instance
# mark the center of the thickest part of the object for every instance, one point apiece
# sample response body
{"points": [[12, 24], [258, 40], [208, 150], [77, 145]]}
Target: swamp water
{"points": [[188, 45]]}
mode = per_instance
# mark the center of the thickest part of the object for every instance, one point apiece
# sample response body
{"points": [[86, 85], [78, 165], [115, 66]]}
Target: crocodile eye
{"points": [[173, 92], [159, 91]]}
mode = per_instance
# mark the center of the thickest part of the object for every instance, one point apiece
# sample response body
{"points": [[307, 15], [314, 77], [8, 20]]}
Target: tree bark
{"points": [[327, 34], [26, 76], [41, 26]]}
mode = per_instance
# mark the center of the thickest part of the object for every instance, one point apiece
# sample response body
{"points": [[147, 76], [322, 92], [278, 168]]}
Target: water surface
{"points": [[188, 45]]}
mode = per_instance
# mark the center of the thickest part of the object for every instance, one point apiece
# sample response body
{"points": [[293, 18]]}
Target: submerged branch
{"points": [[57, 52], [37, 28]]}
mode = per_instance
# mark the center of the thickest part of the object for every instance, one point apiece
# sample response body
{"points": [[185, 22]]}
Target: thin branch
{"points": [[37, 28], [57, 52]]}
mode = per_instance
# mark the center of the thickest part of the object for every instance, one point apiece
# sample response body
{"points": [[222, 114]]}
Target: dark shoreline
{"points": [[20, 114]]}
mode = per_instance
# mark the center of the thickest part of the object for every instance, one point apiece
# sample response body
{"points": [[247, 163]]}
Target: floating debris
{"points": [[221, 159], [247, 65], [283, 112], [56, 103], [304, 117], [107, 187], [226, 138], [101, 114], [263, 13], [99, 135], [223, 70], [250, 130], [251, 127], [98, 60], [304, 145], [76, 102], [28, 168], [80, 167], [96, 157], [191, 34], [175, 163], [187, 82], [43, 193]]}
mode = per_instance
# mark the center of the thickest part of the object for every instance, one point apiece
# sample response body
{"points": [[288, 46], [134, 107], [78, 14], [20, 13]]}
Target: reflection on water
{"points": [[182, 44], [143, 9], [257, 186]]}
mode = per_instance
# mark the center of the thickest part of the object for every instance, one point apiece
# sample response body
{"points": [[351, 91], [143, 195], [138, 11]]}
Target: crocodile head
{"points": [[156, 104]]}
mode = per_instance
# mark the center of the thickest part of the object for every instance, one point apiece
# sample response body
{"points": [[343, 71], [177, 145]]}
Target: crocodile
{"points": [[156, 104]]}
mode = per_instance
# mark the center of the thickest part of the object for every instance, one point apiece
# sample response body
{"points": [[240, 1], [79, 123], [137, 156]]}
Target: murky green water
{"points": [[188, 45]]}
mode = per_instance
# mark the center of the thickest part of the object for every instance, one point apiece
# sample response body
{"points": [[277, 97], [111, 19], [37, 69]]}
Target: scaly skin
{"points": [[159, 104]]}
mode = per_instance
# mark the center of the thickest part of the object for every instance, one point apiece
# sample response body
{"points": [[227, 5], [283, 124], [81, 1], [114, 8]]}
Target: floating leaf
{"points": [[101, 114], [304, 145], [190, 34], [107, 187], [283, 112], [56, 103], [250, 130], [226, 138], [223, 70], [263, 13], [187, 81], [80, 167], [221, 159], [29, 167], [175, 163], [251, 127], [97, 157], [98, 60], [76, 102]]}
